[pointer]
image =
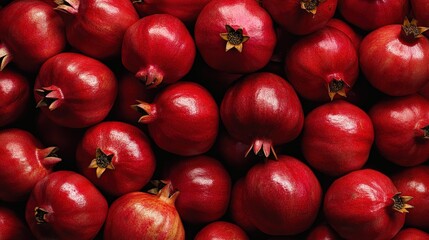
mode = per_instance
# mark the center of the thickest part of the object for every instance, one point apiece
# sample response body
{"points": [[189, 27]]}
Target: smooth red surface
{"points": [[348, 29], [322, 231], [221, 230], [12, 226], [238, 209], [411, 234]]}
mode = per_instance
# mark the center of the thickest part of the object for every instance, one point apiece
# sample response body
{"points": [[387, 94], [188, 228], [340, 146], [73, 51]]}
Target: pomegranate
{"points": [[420, 11], [11, 225], [15, 95], [343, 26], [74, 90], [117, 157], [23, 162], [262, 110], [186, 12], [37, 21], [238, 209], [322, 65], [200, 180], [408, 118], [411, 234], [221, 230], [65, 205], [414, 182], [235, 36], [365, 204], [337, 138], [149, 216], [401, 68], [301, 17], [268, 185], [178, 110], [97, 27], [370, 15], [167, 54], [322, 231]]}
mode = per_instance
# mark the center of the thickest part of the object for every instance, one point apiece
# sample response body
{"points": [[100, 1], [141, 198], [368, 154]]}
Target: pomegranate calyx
{"points": [[262, 148], [48, 156], [67, 6], [151, 77], [234, 38], [400, 203], [425, 132], [5, 56], [167, 193], [310, 5], [411, 31], [337, 87], [147, 110], [50, 96], [40, 215], [101, 162]]}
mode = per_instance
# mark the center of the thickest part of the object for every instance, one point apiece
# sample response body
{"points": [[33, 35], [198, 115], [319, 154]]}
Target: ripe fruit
{"points": [[12, 226], [221, 230]]}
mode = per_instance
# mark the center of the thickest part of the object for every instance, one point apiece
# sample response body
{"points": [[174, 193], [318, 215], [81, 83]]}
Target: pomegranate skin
{"points": [[414, 182], [221, 230], [337, 138], [15, 95], [373, 14], [255, 23], [269, 184], [74, 90], [407, 117], [37, 21], [262, 110], [97, 27], [133, 160], [322, 232], [238, 209], [343, 26], [323, 65], [411, 234], [178, 110], [392, 64], [293, 18], [420, 11], [11, 225], [359, 205], [167, 54]]}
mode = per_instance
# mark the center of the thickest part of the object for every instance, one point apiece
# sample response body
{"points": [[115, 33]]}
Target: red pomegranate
{"points": [[238, 209], [75, 90], [221, 230], [262, 110], [23, 162], [97, 27], [323, 65], [345, 27], [235, 36], [322, 231], [301, 17], [12, 226], [149, 216], [365, 204], [420, 11], [167, 54], [414, 182], [411, 234], [37, 21], [400, 68], [407, 117], [269, 185], [337, 138], [117, 157], [177, 111]]}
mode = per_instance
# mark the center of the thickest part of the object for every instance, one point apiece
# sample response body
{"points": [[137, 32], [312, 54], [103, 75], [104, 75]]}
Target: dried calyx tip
{"points": [[311, 5], [411, 30], [234, 38], [400, 203]]}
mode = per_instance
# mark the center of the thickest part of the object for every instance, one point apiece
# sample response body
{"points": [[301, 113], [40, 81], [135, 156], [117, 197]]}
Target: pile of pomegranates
{"points": [[214, 119]]}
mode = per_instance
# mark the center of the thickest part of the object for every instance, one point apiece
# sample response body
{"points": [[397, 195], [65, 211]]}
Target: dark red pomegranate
{"points": [[301, 17], [411, 234], [420, 11], [23, 162], [97, 27], [117, 157], [365, 204], [65, 205], [235, 36], [323, 65], [401, 126], [37, 21], [221, 230], [14, 95], [337, 138], [238, 209], [282, 196], [186, 12], [74, 90], [167, 54], [12, 226], [373, 14], [401, 68], [262, 110], [414, 182], [322, 231], [149, 216], [183, 119], [355, 36], [204, 185]]}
